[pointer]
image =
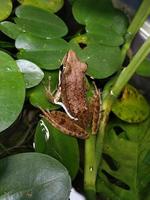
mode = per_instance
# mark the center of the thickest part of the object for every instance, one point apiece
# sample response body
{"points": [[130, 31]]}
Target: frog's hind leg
{"points": [[96, 109], [66, 125]]}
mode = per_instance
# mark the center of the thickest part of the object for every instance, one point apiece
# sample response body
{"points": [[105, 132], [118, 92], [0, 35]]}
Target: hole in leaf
{"points": [[118, 130], [113, 164], [82, 45], [116, 181]]}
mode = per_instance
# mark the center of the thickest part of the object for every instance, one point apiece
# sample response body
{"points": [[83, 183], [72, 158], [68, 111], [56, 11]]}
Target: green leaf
{"points": [[6, 8], [48, 60], [10, 29], [33, 176], [32, 73], [33, 43], [51, 5], [103, 35], [37, 95], [46, 53], [132, 106], [58, 145], [12, 91], [144, 68], [89, 12], [125, 170], [39, 22]]}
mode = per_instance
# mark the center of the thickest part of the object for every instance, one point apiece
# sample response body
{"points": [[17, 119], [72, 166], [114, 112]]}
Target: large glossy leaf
{"points": [[46, 53], [125, 170], [131, 106], [33, 176], [87, 12], [33, 43], [6, 8], [12, 91], [103, 35], [32, 73], [39, 22], [48, 60], [50, 5], [37, 95], [58, 145]]}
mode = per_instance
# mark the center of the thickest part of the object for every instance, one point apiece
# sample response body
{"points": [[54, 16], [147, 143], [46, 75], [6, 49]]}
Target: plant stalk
{"points": [[137, 22], [90, 171]]}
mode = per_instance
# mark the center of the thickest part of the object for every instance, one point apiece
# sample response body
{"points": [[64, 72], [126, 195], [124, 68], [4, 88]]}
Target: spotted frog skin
{"points": [[80, 114]]}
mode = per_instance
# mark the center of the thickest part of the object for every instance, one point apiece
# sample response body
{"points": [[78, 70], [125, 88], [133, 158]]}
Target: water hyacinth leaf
{"points": [[6, 8], [86, 9], [23, 174], [125, 169], [64, 148], [37, 95], [144, 68], [10, 29], [12, 91], [32, 73], [88, 12], [32, 43], [50, 5], [132, 106], [39, 22], [103, 35], [49, 60]]}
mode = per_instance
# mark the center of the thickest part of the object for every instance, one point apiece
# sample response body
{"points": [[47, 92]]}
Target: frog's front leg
{"points": [[54, 96], [66, 125], [96, 110]]}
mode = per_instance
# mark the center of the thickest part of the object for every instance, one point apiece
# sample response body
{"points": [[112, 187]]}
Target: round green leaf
{"points": [[6, 8], [103, 35], [33, 176], [50, 5], [10, 29], [12, 91], [33, 43], [37, 95], [87, 11], [40, 22], [144, 68], [132, 106], [48, 60], [58, 145], [32, 73]]}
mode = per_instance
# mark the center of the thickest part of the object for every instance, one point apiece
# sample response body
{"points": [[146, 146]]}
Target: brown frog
{"points": [[79, 113]]}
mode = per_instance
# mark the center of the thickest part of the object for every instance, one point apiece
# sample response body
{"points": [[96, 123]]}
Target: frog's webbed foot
{"points": [[66, 125]]}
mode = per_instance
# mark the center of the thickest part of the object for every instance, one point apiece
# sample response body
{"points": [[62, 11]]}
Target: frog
{"points": [[71, 95]]}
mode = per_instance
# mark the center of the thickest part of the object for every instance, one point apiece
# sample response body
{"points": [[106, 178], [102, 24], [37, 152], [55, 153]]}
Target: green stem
{"points": [[138, 20], [90, 168], [128, 71]]}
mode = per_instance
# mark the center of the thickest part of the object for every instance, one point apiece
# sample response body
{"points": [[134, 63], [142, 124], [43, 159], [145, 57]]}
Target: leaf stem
{"points": [[90, 171], [138, 20], [128, 71]]}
